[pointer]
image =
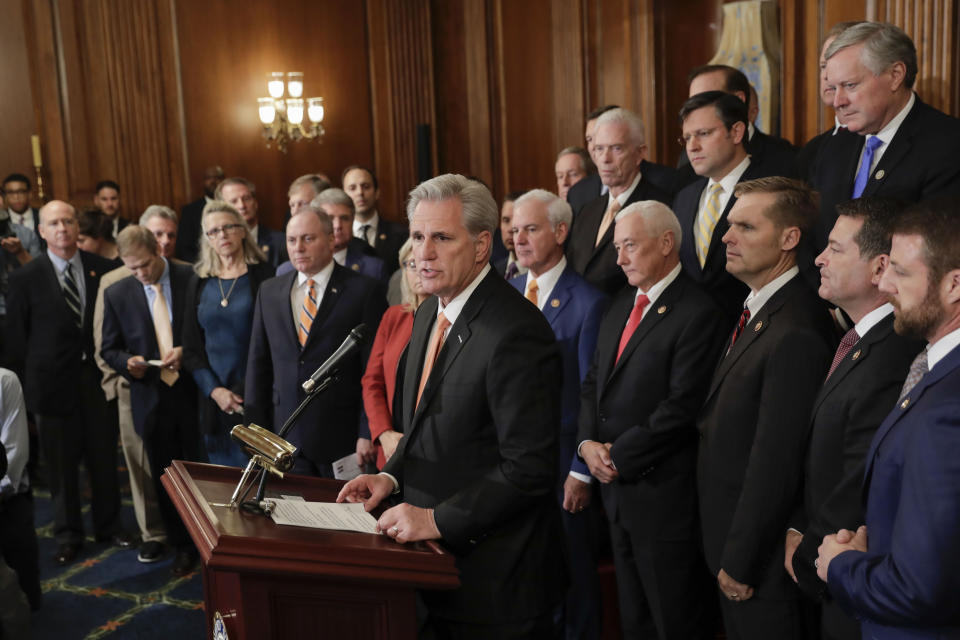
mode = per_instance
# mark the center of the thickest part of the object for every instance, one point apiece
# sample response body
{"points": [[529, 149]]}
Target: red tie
{"points": [[744, 319], [846, 344], [632, 322]]}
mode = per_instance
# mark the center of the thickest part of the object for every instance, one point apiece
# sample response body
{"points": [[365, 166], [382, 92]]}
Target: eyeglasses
{"points": [[699, 135], [410, 265], [225, 229]]}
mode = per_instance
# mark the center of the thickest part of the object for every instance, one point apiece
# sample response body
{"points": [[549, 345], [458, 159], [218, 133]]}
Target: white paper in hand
{"points": [[346, 468]]}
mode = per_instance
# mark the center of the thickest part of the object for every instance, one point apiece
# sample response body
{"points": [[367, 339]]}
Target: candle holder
{"points": [[38, 179]]}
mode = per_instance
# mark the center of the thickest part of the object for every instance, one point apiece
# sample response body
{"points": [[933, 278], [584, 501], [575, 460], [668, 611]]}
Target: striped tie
{"points": [[707, 221], [308, 311], [71, 294], [532, 289]]}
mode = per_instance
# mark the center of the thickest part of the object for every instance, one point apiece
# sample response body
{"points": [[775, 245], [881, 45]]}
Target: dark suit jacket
{"points": [[584, 192], [920, 164], [276, 366], [713, 276], [646, 403], [754, 427], [597, 263], [189, 230], [128, 331], [390, 237], [777, 156], [273, 244], [44, 341], [850, 406], [907, 585], [574, 312], [481, 450]]}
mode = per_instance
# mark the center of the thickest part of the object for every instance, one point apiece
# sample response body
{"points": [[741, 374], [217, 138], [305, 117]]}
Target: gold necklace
{"points": [[225, 298]]}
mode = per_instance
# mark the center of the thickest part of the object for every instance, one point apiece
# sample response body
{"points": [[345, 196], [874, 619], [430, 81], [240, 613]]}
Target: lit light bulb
{"points": [[275, 84], [268, 111], [295, 110], [295, 84], [315, 109]]}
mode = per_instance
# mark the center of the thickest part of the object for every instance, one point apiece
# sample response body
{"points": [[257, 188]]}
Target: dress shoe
{"points": [[121, 539], [67, 552], [184, 563], [151, 552]]}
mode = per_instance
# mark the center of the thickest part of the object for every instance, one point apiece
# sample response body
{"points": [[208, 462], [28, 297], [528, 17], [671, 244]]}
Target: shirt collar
{"points": [[623, 197], [837, 126], [547, 280], [729, 181], [870, 320], [321, 278], [886, 134], [659, 288], [751, 131], [61, 264], [756, 300], [373, 223], [340, 257], [939, 349], [453, 309]]}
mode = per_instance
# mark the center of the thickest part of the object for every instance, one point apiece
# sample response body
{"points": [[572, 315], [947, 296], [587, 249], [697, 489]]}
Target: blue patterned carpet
{"points": [[107, 593]]}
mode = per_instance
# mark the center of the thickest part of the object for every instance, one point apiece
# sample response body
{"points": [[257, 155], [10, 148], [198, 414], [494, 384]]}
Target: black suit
{"points": [[754, 428], [273, 244], [919, 164], [189, 230], [597, 263], [164, 416], [328, 429], [390, 237], [846, 413], [62, 388], [481, 450], [713, 276], [645, 403], [584, 192]]}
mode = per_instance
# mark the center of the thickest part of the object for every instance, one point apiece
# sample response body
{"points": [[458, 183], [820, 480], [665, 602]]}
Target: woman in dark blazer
{"points": [[379, 381], [216, 333]]}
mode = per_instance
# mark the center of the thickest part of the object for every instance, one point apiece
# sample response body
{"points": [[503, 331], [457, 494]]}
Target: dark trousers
{"points": [[170, 433], [536, 628], [760, 619], [18, 544], [659, 586], [581, 608], [90, 436]]}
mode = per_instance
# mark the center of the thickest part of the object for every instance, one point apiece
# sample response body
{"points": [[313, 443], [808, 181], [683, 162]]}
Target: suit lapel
{"points": [[655, 314], [424, 319], [559, 298], [856, 357], [899, 147], [330, 296], [609, 341], [178, 291], [279, 298]]}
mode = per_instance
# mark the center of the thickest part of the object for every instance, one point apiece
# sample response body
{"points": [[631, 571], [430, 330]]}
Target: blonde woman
{"points": [[217, 325], [379, 381]]}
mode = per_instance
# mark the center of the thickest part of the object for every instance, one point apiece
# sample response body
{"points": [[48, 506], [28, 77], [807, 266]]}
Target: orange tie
{"points": [[308, 311], [432, 351], [532, 289]]}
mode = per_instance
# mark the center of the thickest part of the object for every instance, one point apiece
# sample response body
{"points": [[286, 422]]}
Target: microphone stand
{"points": [[253, 506]]}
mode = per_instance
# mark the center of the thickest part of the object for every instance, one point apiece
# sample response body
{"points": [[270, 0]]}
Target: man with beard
{"points": [[905, 582]]}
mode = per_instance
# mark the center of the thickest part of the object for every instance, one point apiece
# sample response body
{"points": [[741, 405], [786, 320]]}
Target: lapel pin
{"points": [[662, 310], [879, 175], [93, 274], [554, 303], [758, 326], [355, 267], [265, 248], [905, 403], [383, 236], [334, 290], [856, 354]]}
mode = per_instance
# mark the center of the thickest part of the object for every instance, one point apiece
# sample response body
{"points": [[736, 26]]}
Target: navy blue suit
{"points": [[390, 237], [907, 585], [277, 366], [273, 244], [574, 311]]}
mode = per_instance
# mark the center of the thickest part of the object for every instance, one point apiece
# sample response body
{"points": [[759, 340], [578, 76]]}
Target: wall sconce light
{"points": [[283, 118]]}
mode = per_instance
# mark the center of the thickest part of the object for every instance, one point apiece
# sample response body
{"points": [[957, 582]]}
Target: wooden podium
{"points": [[271, 581]]}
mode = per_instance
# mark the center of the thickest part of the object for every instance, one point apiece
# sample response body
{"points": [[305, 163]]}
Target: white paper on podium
{"points": [[323, 515], [346, 468]]}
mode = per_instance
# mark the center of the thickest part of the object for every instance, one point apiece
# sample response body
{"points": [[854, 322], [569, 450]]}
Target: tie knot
{"points": [[715, 189], [641, 302], [442, 323], [850, 338], [157, 287], [532, 285], [873, 142], [614, 206]]}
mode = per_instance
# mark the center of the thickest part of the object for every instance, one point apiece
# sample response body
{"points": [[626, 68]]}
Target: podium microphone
{"points": [[350, 344]]}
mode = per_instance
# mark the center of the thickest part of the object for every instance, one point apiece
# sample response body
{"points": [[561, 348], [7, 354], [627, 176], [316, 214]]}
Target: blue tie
{"points": [[864, 174]]}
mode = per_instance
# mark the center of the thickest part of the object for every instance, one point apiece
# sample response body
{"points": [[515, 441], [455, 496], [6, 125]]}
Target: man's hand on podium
{"points": [[370, 489], [407, 523]]}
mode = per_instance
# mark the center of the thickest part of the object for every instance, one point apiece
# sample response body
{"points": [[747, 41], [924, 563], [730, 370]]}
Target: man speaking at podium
{"points": [[481, 413]]}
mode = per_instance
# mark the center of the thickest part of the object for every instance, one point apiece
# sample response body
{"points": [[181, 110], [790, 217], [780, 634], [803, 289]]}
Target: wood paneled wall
{"points": [[150, 93]]}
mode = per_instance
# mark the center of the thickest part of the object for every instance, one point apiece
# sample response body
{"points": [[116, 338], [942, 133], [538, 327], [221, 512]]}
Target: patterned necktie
{"points": [[71, 293], [512, 270], [161, 325], [850, 338], [532, 289], [607, 220], [918, 368], [863, 175], [744, 319], [632, 323], [308, 311], [435, 343], [707, 222]]}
